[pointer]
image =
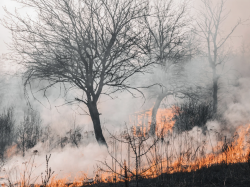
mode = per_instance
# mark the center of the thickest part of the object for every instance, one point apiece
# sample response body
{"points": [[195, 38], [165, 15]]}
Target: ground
{"points": [[233, 175]]}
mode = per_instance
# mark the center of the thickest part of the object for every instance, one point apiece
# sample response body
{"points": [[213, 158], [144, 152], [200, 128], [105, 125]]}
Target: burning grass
{"points": [[224, 164], [171, 158]]}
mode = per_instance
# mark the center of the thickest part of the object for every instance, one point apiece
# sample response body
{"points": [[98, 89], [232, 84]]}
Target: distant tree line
{"points": [[18, 137]]}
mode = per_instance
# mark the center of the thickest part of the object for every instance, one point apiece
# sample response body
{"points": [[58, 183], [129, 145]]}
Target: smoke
{"points": [[63, 162], [234, 105], [238, 111]]}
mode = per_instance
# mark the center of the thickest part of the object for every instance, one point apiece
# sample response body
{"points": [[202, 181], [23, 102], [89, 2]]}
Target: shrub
{"points": [[7, 123], [192, 113]]}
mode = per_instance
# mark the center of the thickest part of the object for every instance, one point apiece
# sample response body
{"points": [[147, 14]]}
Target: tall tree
{"points": [[92, 45], [169, 28], [210, 27]]}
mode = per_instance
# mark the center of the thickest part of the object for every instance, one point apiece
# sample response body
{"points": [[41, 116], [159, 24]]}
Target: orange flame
{"points": [[11, 151], [143, 121], [234, 151], [189, 158]]}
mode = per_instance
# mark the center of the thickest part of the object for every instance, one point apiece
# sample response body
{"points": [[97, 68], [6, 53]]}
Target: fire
{"points": [[11, 151], [236, 151], [142, 121], [164, 121], [178, 153], [185, 152]]}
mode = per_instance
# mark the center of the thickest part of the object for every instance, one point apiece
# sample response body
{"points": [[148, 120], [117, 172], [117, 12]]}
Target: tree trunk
{"points": [[95, 116], [136, 170], [215, 91], [154, 112], [126, 175]]}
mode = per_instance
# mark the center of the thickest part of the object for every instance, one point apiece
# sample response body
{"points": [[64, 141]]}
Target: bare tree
{"points": [[141, 144], [210, 22], [28, 133], [94, 46], [169, 28]]}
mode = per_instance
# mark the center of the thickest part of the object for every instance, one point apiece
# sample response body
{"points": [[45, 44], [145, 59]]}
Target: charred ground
{"points": [[231, 175]]}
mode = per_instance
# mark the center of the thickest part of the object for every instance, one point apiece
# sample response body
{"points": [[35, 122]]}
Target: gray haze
{"points": [[234, 101]]}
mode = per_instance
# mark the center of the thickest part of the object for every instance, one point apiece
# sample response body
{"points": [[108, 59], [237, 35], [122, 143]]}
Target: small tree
{"points": [[94, 46], [28, 133], [141, 144], [210, 22]]}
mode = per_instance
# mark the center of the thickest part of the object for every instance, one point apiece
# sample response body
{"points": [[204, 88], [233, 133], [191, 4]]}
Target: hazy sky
{"points": [[238, 9], [4, 34]]}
